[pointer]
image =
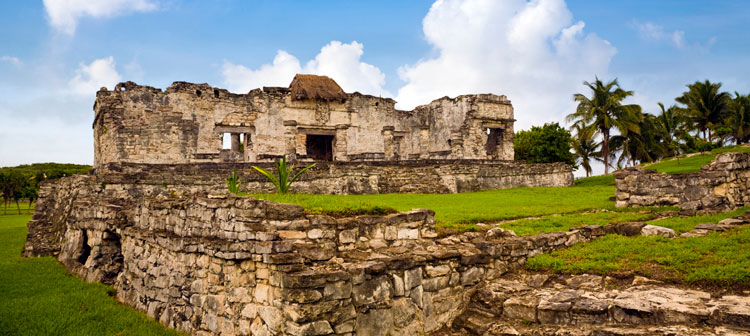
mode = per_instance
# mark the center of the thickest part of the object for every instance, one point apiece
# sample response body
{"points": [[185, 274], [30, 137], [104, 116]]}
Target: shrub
{"points": [[282, 182]]}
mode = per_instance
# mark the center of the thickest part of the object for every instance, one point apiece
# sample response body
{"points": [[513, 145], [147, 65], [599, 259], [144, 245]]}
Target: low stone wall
{"points": [[213, 265], [419, 176], [724, 183]]}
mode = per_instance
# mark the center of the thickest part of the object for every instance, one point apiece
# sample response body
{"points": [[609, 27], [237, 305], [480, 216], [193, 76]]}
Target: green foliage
{"points": [[738, 118], [233, 183], [705, 106], [603, 111], [282, 180], [38, 297], [22, 182], [549, 143], [585, 147]]}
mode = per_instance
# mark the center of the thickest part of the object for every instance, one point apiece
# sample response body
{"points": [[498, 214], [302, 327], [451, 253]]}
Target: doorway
{"points": [[494, 139], [320, 147]]}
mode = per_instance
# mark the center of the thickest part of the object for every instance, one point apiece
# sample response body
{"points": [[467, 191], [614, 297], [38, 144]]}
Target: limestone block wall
{"points": [[213, 265], [724, 183], [429, 176]]}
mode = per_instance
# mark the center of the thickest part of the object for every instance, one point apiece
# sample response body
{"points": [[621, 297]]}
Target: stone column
{"points": [[235, 142], [457, 145], [388, 146], [341, 139], [249, 154], [290, 135], [424, 142]]}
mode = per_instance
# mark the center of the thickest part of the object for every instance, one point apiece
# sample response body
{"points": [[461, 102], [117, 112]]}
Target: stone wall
{"points": [[213, 265], [186, 122], [428, 176], [724, 183]]}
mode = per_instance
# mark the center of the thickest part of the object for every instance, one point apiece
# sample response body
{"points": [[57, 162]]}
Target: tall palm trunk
{"points": [[605, 148]]}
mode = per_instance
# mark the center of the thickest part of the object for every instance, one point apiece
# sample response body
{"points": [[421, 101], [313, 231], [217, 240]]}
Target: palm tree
{"points": [[585, 146], [705, 106], [738, 118], [645, 146], [604, 110], [671, 126]]}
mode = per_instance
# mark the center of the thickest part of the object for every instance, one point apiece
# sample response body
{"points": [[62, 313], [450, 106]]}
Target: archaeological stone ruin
{"points": [[153, 219], [722, 184]]}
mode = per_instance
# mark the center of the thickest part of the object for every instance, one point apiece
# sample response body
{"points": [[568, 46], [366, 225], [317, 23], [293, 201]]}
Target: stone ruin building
{"points": [[153, 219], [312, 119]]}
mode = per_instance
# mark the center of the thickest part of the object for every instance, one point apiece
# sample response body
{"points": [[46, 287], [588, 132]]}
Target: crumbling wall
{"points": [[186, 122], [724, 183], [431, 176], [227, 265]]}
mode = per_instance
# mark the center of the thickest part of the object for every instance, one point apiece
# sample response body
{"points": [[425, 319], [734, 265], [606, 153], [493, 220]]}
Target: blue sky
{"points": [[55, 54]]}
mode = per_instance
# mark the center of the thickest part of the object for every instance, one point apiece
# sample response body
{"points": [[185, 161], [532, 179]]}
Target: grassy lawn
{"points": [[685, 224], [693, 164], [12, 209], [466, 208], [565, 222], [720, 259], [37, 297]]}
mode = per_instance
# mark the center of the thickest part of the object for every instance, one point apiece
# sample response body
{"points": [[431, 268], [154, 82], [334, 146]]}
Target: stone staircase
{"points": [[539, 304]]}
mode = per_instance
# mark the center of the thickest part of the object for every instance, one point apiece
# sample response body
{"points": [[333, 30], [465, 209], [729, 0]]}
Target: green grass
{"points": [[467, 208], [12, 209], [717, 259], [685, 224], [693, 164], [37, 297], [565, 222]]}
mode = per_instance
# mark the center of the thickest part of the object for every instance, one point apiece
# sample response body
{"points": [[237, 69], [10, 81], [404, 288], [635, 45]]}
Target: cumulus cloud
{"points": [[12, 60], [340, 61], [63, 15], [654, 32], [90, 78], [531, 51]]}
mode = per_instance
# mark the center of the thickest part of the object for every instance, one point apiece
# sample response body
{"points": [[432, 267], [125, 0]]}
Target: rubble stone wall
{"points": [[213, 265], [430, 176], [724, 183]]}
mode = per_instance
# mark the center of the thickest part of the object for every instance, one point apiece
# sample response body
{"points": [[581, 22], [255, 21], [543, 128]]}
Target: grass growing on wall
{"points": [[37, 297]]}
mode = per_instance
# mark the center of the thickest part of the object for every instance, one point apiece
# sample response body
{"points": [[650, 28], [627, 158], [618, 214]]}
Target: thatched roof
{"points": [[316, 87]]}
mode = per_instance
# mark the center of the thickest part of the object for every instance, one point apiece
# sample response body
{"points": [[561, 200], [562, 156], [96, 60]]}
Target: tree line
{"points": [[604, 129], [21, 183]]}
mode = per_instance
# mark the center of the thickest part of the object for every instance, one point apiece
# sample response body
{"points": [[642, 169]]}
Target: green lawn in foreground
{"points": [[685, 224], [37, 297], [467, 208], [693, 164], [719, 258], [526, 227]]}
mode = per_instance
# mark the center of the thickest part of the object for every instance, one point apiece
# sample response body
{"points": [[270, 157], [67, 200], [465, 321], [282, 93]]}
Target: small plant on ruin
{"points": [[233, 183], [282, 182]]}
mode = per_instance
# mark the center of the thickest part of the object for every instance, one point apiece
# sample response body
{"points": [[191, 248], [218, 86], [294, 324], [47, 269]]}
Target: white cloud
{"points": [[12, 60], [531, 51], [340, 61], [654, 32], [239, 78], [90, 78], [63, 15]]}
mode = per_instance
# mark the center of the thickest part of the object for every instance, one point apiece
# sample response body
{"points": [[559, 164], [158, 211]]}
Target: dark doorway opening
{"points": [[320, 147], [494, 138]]}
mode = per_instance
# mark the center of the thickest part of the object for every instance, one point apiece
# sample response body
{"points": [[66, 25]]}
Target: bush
{"points": [[549, 143]]}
